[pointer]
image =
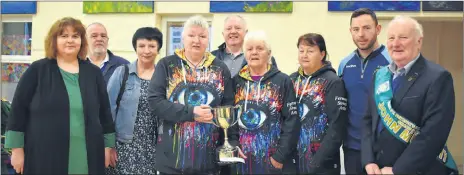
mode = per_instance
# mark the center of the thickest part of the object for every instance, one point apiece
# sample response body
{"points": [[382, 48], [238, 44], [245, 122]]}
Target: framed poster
{"points": [[94, 7], [12, 72], [18, 7], [175, 37], [456, 6], [251, 6], [374, 5]]}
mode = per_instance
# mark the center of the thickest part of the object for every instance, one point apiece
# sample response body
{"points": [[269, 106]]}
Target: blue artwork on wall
{"points": [[456, 6], [375, 5], [251, 6], [19, 7]]}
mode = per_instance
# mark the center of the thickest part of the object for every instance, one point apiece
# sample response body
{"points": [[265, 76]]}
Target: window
{"points": [[175, 34], [16, 40], [16, 51], [172, 27]]}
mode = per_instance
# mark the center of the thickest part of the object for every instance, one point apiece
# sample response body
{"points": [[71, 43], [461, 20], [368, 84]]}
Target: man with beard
{"points": [[99, 54], [231, 51], [357, 70]]}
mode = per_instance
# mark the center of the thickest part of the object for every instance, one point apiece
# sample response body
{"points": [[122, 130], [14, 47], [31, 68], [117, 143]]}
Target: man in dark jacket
{"points": [[411, 109], [97, 36], [231, 51]]}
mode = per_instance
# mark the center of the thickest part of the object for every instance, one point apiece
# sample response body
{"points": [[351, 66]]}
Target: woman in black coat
{"points": [[60, 117]]}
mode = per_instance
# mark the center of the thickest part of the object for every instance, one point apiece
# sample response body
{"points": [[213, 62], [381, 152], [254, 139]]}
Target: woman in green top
{"points": [[60, 117]]}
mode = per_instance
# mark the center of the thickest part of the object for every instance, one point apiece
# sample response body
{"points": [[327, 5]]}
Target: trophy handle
{"points": [[238, 113], [214, 120]]}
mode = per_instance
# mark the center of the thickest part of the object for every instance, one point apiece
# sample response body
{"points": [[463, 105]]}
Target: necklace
{"points": [[195, 65]]}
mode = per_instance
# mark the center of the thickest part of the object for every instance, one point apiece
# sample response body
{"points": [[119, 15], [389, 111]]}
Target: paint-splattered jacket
{"points": [[269, 124], [186, 146], [322, 106]]}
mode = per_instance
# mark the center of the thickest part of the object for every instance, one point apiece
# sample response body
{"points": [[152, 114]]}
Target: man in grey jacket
{"points": [[235, 29]]}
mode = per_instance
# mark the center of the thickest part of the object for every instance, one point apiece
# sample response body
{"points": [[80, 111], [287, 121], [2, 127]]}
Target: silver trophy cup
{"points": [[225, 117]]}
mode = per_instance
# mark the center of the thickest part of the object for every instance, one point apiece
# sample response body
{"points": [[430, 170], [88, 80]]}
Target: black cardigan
{"points": [[40, 109]]}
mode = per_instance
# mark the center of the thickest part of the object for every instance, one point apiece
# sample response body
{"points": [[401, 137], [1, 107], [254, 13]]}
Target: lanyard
{"points": [[363, 67]]}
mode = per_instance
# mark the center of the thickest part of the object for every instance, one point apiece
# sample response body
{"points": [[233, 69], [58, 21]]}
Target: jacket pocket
{"points": [[128, 91], [411, 97], [411, 100]]}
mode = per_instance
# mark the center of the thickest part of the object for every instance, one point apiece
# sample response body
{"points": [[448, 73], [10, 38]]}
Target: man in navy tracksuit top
{"points": [[357, 71]]}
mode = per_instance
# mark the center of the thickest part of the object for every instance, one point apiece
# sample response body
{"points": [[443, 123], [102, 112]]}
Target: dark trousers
{"points": [[160, 173], [225, 170], [289, 168], [352, 161]]}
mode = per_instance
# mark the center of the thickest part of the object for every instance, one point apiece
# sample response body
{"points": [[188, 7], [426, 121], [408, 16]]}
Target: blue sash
{"points": [[397, 125]]}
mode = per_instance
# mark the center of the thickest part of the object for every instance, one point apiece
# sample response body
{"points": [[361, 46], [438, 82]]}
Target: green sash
{"points": [[396, 124]]}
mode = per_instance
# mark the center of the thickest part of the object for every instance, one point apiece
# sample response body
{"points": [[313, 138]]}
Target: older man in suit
{"points": [[411, 109]]}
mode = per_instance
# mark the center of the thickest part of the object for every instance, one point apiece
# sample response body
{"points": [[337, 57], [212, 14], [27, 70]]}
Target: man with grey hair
{"points": [[231, 51], [98, 54], [411, 109]]}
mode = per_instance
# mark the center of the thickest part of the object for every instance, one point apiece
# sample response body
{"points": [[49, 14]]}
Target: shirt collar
{"points": [[107, 58], [393, 68], [133, 67], [227, 51]]}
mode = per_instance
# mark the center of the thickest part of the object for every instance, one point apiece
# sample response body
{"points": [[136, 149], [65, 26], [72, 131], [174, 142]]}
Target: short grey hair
{"points": [[196, 20], [258, 35], [96, 23], [239, 17], [417, 26]]}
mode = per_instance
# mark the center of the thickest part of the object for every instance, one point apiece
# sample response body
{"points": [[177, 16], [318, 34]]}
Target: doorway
{"points": [[443, 44]]}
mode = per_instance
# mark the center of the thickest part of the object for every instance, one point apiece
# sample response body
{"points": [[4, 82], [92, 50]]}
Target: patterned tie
{"points": [[397, 81], [395, 85]]}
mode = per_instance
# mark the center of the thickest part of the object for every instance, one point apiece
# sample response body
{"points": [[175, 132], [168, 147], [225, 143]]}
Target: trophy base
{"points": [[230, 160], [229, 155]]}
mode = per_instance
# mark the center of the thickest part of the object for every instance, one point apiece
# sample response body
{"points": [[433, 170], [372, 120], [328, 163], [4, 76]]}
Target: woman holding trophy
{"points": [[269, 124], [182, 92]]}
